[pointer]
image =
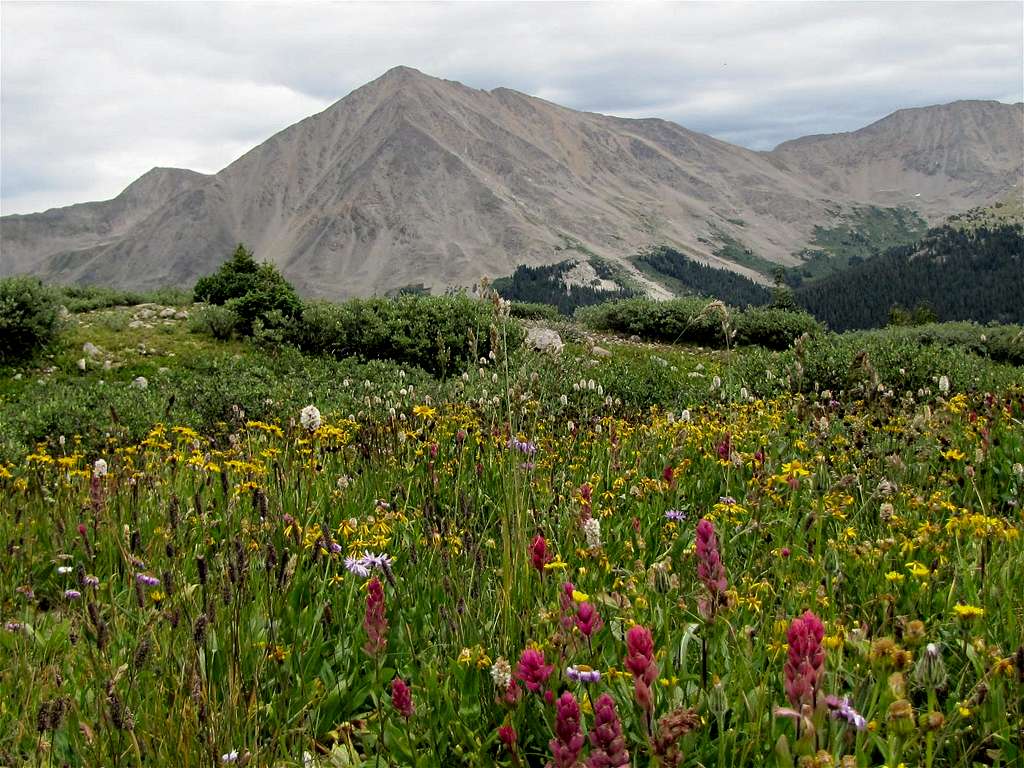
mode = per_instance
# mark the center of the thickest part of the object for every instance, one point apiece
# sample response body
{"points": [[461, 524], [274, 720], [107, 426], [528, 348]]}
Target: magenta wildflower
{"points": [[710, 569], [587, 620], [568, 605], [607, 745], [586, 497], [539, 553], [375, 622], [508, 736], [805, 661], [724, 447], [532, 670], [568, 742], [401, 698], [640, 661]]}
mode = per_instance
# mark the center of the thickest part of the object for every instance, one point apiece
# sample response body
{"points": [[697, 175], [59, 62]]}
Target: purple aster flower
{"points": [[583, 674], [675, 515], [146, 580], [842, 710], [72, 594], [335, 547], [727, 500], [523, 446], [379, 562], [14, 626], [356, 566], [91, 581]]}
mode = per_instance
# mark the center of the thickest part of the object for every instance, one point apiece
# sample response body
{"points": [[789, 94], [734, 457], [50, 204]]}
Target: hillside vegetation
{"points": [[253, 550]]}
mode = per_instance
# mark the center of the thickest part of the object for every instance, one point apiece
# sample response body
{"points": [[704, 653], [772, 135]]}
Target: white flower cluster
{"points": [[310, 418], [592, 532], [99, 469], [501, 674]]}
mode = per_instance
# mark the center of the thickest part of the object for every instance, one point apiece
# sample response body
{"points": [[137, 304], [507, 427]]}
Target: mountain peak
{"points": [[417, 179]]}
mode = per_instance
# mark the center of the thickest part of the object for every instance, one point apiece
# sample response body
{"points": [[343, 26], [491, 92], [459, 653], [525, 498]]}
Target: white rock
{"points": [[601, 352], [136, 324], [544, 340], [91, 349], [145, 314], [140, 382], [181, 314], [167, 312], [81, 364]]}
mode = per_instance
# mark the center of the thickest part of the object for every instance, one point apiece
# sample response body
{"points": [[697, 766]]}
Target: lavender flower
{"points": [[355, 565], [146, 580], [91, 581], [675, 515], [842, 710], [361, 566], [229, 757], [72, 594], [522, 446], [583, 674], [380, 562]]}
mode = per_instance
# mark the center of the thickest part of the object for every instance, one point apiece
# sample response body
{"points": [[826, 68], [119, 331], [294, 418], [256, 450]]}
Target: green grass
{"points": [[894, 517], [860, 234], [738, 252]]}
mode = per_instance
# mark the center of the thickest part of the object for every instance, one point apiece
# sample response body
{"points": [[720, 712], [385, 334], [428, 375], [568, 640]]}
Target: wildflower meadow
{"points": [[509, 578]]}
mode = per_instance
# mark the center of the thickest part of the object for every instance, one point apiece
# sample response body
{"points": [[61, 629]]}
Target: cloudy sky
{"points": [[94, 95]]}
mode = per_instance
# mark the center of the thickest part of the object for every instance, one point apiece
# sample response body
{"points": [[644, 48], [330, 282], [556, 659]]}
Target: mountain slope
{"points": [[952, 274], [413, 179], [30, 238], [937, 160]]}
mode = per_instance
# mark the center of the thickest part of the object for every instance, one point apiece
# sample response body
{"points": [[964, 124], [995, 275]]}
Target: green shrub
{"points": [[85, 298], [29, 317], [772, 327], [432, 332], [218, 322], [695, 320], [861, 361], [532, 310], [253, 291], [685, 320]]}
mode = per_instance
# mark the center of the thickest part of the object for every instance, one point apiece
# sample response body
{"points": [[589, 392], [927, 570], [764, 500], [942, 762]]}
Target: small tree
{"points": [[231, 281], [253, 291]]}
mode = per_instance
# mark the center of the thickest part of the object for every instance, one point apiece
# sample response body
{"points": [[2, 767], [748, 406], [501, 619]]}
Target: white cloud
{"points": [[93, 95]]}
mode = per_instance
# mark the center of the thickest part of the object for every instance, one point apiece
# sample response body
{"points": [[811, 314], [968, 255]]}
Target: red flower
{"points": [[375, 622], [805, 661], [508, 737], [710, 569], [640, 661], [568, 742], [587, 619], [532, 670], [401, 697], [539, 553], [608, 747]]}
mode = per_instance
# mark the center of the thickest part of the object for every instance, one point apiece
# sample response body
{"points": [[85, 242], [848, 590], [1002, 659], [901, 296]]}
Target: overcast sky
{"points": [[93, 96]]}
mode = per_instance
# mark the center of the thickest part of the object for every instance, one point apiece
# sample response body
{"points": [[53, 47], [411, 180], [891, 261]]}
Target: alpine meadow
{"points": [[453, 427]]}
